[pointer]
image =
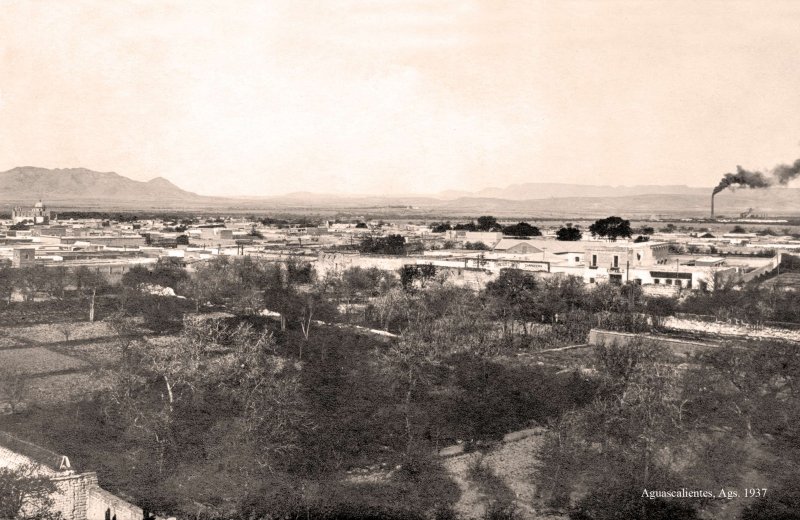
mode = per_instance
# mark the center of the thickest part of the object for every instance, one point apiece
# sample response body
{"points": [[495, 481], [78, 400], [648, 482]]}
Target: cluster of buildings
{"points": [[665, 263]]}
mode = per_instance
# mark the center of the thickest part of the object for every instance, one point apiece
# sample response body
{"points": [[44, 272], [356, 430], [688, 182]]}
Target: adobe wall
{"points": [[101, 502], [770, 266], [475, 279], [338, 262]]}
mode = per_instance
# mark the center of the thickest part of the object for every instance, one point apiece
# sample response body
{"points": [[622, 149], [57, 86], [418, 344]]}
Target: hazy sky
{"points": [[381, 96]]}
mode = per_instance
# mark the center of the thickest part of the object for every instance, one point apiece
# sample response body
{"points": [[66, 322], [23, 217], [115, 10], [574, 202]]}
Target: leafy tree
{"points": [[52, 280], [136, 275], [659, 308], [88, 283], [523, 229], [312, 307], [299, 273], [389, 245], [409, 274], [357, 283], [789, 263], [469, 226], [514, 299], [26, 494], [162, 314], [32, 280], [645, 230], [278, 292], [6, 284], [630, 438], [611, 228], [738, 229], [410, 360], [569, 233], [389, 305], [488, 223], [441, 227], [166, 272], [476, 246]]}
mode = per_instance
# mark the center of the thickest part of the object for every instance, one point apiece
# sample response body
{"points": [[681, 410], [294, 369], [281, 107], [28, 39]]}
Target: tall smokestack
{"points": [[712, 204], [780, 175]]}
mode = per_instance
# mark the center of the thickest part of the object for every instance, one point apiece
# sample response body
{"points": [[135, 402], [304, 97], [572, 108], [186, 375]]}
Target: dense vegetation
{"points": [[246, 416]]}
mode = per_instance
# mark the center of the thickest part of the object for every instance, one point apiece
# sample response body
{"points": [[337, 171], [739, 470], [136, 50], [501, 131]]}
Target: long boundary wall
{"points": [[681, 347]]}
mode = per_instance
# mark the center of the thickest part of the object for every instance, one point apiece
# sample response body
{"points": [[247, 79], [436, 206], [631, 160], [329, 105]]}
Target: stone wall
{"points": [[679, 347], [71, 497]]}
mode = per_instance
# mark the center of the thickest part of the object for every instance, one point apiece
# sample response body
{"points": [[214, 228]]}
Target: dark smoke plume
{"points": [[786, 172], [781, 174]]}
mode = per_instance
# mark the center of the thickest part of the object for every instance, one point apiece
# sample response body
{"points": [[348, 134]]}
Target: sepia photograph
{"points": [[399, 260]]}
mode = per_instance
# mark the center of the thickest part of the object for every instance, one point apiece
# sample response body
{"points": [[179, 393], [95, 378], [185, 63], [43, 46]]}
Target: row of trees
{"points": [[611, 228], [489, 223], [57, 282]]}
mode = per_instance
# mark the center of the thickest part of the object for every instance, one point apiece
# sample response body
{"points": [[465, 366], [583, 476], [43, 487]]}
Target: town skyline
{"points": [[393, 97]]}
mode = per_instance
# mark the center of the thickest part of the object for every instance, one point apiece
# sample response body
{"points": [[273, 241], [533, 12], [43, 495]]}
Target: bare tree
{"points": [[409, 360], [15, 386]]}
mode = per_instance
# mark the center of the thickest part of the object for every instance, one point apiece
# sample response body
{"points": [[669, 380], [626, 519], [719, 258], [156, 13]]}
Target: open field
{"points": [[38, 360], [60, 370], [64, 388], [55, 332], [100, 353]]}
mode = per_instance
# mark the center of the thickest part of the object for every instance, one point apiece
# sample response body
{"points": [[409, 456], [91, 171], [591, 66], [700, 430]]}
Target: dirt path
{"points": [[511, 462]]}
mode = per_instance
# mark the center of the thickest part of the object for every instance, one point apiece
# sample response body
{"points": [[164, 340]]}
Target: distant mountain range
{"points": [[82, 188], [31, 183]]}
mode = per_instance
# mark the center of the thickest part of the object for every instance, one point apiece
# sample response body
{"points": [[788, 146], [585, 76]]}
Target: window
{"points": [[656, 281], [591, 280], [594, 260], [669, 281], [577, 259], [616, 261]]}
